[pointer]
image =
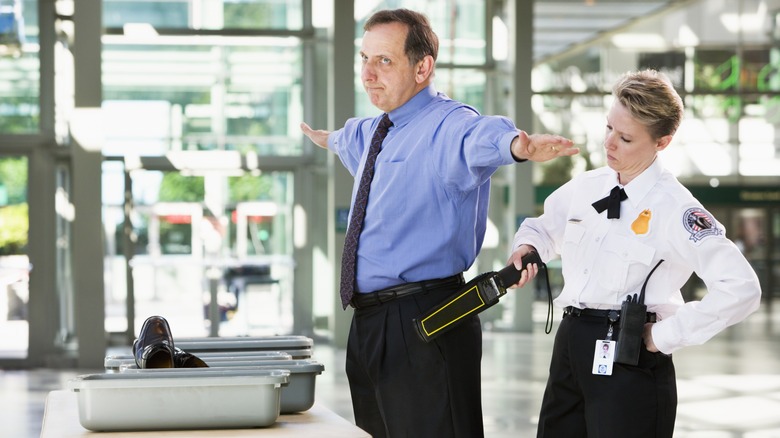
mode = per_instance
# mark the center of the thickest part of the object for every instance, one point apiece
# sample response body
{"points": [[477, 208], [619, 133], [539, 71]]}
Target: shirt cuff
{"points": [[332, 146], [505, 146], [663, 338]]}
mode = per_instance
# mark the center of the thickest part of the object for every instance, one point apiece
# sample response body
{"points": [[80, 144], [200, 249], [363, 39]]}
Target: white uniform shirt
{"points": [[604, 260]]}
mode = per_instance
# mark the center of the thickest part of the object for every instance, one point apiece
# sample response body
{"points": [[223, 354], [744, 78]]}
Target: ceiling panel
{"points": [[561, 25]]}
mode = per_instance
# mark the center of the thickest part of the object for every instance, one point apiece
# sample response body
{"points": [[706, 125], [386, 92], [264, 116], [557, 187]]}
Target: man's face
{"points": [[387, 76]]}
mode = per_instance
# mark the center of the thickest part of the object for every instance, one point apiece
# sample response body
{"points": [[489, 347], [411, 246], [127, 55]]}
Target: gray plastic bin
{"points": [[160, 400], [297, 395], [299, 347], [113, 363]]}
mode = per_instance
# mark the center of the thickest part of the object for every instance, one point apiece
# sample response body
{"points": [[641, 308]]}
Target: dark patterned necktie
{"points": [[349, 258], [611, 203]]}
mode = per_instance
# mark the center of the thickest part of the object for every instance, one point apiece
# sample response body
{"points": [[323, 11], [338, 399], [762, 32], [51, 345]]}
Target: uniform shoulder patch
{"points": [[700, 224]]}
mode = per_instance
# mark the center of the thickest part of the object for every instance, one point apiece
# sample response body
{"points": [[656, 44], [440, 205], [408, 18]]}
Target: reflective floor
{"points": [[728, 388]]}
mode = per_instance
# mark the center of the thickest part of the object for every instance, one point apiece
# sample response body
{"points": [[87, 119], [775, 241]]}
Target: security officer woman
{"points": [[621, 229]]}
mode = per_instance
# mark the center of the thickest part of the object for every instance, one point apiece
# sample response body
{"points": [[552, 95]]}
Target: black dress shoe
{"points": [[182, 359], [154, 346]]}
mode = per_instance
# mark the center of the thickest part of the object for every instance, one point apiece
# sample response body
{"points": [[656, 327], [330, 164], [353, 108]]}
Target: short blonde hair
{"points": [[651, 99]]}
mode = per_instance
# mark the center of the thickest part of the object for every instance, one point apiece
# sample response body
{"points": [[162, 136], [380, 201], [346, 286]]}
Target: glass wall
{"points": [[19, 67], [178, 244], [209, 88], [205, 14], [222, 93], [14, 261]]}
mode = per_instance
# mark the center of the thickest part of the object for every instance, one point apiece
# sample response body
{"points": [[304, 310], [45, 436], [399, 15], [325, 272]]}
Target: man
{"points": [[423, 225]]}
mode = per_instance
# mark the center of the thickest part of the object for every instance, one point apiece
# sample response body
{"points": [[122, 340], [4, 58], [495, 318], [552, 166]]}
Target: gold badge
{"points": [[642, 223]]}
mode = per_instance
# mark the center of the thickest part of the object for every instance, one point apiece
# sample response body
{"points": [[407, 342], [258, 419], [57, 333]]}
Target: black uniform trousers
{"points": [[404, 387], [635, 401]]}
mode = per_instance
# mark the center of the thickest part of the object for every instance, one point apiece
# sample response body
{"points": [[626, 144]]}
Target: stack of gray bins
{"points": [[249, 383], [298, 395]]}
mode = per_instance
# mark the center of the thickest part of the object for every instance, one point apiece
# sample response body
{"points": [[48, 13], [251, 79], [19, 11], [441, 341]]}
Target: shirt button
{"points": [[598, 239], [585, 272]]}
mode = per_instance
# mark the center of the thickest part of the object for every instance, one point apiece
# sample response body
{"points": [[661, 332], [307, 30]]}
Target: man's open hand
{"points": [[542, 147]]}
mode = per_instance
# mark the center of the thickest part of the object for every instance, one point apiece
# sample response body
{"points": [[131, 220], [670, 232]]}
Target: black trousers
{"points": [[404, 387], [635, 401]]}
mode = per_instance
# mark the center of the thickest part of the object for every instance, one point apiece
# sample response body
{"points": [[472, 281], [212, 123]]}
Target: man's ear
{"points": [[424, 69]]}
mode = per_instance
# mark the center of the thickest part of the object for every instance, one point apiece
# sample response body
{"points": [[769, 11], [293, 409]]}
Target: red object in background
{"points": [[178, 219], [255, 219]]}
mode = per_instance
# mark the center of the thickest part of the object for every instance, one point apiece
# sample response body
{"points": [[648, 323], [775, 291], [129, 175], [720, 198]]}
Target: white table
{"points": [[61, 420]]}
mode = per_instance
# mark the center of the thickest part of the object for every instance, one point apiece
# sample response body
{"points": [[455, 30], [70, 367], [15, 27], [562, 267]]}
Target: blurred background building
{"points": [[151, 160]]}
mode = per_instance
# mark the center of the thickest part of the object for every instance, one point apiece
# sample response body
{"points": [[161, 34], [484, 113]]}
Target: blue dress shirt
{"points": [[427, 208]]}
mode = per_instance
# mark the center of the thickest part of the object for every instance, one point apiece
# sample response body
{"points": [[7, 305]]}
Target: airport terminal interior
{"points": [[152, 163]]}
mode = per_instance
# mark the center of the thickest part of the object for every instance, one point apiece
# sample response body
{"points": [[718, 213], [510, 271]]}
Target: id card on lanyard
{"points": [[603, 357]]}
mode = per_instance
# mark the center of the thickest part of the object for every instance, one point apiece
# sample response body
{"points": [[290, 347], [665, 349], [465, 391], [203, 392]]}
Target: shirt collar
{"points": [[406, 112], [640, 186]]}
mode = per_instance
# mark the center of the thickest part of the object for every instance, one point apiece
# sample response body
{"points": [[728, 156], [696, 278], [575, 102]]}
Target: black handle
{"points": [[510, 275]]}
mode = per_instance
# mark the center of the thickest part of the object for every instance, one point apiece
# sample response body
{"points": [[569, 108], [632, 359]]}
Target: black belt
{"points": [[601, 313], [361, 300]]}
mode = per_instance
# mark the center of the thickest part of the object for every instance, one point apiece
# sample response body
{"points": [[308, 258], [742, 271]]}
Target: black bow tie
{"points": [[611, 203]]}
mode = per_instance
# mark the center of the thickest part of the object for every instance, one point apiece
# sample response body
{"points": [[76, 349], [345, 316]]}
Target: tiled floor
{"points": [[728, 388]]}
